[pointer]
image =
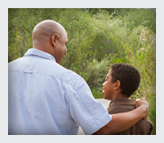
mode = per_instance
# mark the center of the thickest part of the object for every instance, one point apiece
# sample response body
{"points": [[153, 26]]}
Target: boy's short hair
{"points": [[129, 77]]}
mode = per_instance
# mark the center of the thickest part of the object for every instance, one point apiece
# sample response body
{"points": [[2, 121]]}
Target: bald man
{"points": [[44, 98]]}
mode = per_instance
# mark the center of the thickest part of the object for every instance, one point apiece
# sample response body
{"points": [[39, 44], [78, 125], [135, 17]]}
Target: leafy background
{"points": [[97, 38]]}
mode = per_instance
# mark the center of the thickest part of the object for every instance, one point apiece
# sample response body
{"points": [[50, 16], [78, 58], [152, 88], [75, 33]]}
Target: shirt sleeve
{"points": [[87, 112]]}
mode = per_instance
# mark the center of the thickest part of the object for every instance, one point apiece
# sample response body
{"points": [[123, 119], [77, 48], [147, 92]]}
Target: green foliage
{"points": [[134, 17], [95, 73], [143, 58], [97, 38], [96, 93]]}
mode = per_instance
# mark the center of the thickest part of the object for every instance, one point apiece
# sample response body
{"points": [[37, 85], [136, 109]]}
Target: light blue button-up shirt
{"points": [[46, 98]]}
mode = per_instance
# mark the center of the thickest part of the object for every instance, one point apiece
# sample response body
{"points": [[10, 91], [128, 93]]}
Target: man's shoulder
{"points": [[15, 64], [56, 70], [70, 77], [45, 67]]}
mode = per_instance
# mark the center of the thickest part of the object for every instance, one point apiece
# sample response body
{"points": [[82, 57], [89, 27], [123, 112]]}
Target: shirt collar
{"points": [[39, 53], [122, 101]]}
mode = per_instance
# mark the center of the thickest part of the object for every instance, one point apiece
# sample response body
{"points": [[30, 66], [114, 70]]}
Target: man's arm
{"points": [[123, 121]]}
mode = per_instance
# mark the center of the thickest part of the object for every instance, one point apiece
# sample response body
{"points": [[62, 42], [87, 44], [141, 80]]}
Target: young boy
{"points": [[121, 81]]}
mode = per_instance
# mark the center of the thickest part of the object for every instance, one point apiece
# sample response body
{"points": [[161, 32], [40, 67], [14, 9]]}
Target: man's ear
{"points": [[117, 85], [54, 38]]}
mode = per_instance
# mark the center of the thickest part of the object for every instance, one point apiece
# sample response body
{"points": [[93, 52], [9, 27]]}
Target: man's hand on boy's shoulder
{"points": [[144, 105], [123, 121]]}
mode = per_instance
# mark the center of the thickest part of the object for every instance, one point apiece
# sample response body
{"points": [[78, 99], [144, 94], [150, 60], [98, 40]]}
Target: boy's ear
{"points": [[117, 85]]}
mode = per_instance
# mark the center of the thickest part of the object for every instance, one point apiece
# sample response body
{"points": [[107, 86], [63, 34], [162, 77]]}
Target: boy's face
{"points": [[108, 87]]}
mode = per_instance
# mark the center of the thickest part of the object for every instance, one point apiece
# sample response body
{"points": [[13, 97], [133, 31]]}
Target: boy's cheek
{"points": [[103, 92]]}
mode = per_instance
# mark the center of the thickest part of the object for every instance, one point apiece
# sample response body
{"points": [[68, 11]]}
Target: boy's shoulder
{"points": [[121, 105], [143, 127]]}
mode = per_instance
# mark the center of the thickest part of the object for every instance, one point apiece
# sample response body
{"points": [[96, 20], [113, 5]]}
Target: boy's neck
{"points": [[119, 96]]}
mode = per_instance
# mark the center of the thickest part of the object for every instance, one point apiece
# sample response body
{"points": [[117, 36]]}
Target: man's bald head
{"points": [[45, 29], [50, 37]]}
